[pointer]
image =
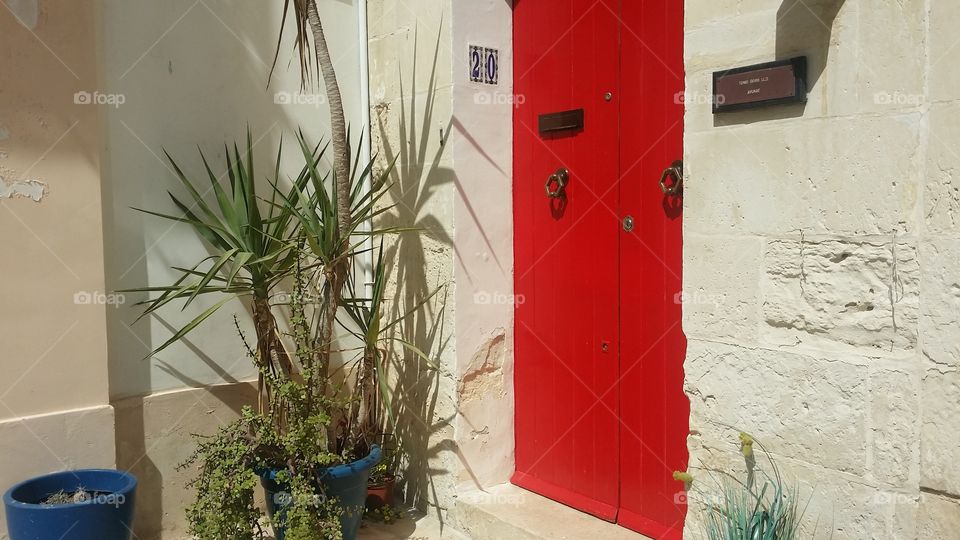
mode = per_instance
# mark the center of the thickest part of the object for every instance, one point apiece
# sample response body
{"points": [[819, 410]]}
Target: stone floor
{"points": [[413, 527], [507, 511]]}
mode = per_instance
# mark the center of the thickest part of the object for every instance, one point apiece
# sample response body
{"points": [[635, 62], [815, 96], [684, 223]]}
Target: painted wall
{"points": [[820, 260], [54, 400], [52, 257], [482, 142]]}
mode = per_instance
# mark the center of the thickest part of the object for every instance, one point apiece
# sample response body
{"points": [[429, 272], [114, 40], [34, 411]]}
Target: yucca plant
{"points": [[336, 253], [252, 242]]}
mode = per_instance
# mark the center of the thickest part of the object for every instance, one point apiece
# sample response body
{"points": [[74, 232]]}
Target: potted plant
{"points": [[311, 440], [86, 504], [383, 477], [313, 436]]}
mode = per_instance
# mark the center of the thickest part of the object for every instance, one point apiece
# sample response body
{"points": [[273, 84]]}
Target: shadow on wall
{"points": [[424, 420], [804, 28]]}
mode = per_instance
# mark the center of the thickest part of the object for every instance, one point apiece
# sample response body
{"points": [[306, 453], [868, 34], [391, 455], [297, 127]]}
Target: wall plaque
{"points": [[761, 85]]}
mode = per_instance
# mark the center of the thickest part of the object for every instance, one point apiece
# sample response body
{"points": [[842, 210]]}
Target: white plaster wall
{"points": [[195, 74], [822, 241], [482, 140]]}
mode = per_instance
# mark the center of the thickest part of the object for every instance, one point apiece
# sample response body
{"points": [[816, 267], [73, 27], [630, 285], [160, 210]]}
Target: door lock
{"points": [[557, 184], [628, 223]]}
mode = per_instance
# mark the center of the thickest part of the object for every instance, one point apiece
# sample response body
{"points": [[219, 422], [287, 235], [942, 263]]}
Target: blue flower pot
{"points": [[346, 483], [108, 516]]}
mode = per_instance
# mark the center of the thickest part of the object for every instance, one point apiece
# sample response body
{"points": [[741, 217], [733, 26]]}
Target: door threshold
{"points": [[509, 511]]}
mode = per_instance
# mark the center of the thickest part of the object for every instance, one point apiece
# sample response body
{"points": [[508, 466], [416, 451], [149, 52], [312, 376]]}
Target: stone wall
{"points": [[451, 139], [410, 95], [821, 246]]}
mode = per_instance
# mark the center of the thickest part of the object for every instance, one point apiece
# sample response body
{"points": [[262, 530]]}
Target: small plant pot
{"points": [[346, 483], [108, 515], [380, 494]]}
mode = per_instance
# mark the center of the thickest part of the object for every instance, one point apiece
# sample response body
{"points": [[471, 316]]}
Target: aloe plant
{"points": [[744, 510]]}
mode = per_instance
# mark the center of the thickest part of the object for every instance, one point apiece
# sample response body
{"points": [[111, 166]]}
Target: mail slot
{"points": [[561, 121]]}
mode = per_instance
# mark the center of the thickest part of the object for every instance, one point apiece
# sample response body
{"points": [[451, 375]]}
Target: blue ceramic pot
{"points": [[346, 483], [107, 516]]}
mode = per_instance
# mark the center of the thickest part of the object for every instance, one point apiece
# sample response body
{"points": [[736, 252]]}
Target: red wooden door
{"points": [[654, 410], [566, 264], [601, 418]]}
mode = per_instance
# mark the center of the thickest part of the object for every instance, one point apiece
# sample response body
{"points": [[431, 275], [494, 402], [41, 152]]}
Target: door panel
{"points": [[654, 409], [601, 418], [566, 264]]}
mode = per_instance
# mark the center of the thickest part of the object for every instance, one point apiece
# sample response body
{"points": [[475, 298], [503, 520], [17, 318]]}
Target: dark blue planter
{"points": [[346, 483], [108, 517]]}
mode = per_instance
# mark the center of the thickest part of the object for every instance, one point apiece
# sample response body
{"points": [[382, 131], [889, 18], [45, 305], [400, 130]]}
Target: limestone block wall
{"points": [[821, 246]]}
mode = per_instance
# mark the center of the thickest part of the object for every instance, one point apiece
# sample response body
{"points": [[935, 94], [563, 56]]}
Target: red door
{"points": [[601, 418]]}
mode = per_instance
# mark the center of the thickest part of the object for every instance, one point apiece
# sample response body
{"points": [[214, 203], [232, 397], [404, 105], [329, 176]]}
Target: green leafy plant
{"points": [[313, 233], [251, 243], [761, 507], [308, 417]]}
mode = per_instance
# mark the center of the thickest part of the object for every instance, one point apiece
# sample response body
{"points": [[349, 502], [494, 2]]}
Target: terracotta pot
{"points": [[381, 493]]}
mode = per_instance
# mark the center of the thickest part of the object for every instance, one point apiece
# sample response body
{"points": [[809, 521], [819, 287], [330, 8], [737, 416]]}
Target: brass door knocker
{"points": [[557, 184], [676, 171]]}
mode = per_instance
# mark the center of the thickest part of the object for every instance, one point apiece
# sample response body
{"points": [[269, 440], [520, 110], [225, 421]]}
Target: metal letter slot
{"points": [[561, 121]]}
